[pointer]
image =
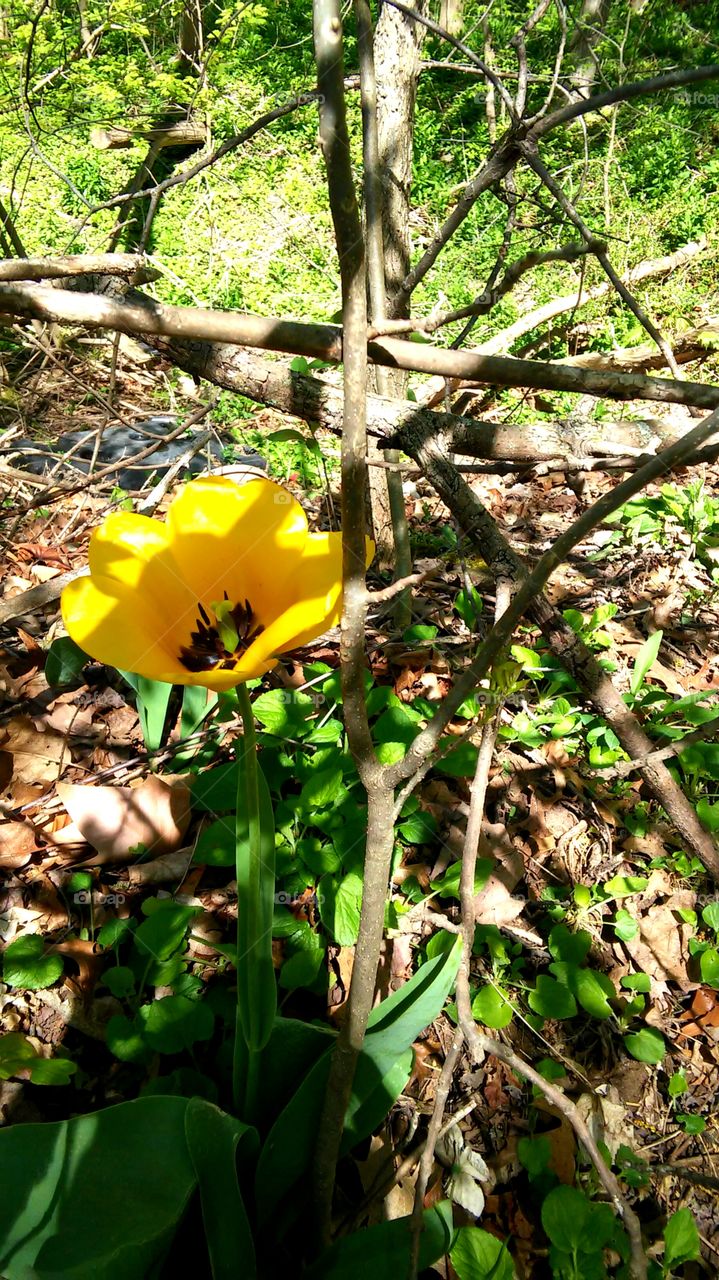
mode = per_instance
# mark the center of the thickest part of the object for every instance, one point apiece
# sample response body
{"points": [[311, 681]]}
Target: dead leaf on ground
{"points": [[31, 755], [18, 842], [661, 948], [115, 820]]}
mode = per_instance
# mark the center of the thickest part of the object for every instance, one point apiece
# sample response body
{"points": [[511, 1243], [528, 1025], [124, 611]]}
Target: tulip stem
{"points": [[254, 866]]}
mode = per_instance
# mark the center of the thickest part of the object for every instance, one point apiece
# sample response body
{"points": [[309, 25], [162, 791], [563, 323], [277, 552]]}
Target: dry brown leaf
{"points": [[17, 844], [661, 948], [495, 904], [33, 756], [115, 820], [170, 866]]}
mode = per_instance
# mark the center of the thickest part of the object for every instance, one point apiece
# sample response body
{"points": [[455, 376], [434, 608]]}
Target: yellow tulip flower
{"points": [[213, 595]]}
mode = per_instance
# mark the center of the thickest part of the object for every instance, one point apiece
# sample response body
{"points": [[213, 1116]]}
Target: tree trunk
{"points": [[451, 16], [592, 19], [397, 44]]}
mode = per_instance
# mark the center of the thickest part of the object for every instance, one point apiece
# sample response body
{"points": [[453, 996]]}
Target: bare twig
{"points": [[480, 1045], [625, 767]]}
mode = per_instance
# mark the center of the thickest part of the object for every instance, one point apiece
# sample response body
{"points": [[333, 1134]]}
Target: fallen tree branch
{"points": [[319, 402], [140, 315], [501, 342], [80, 264]]}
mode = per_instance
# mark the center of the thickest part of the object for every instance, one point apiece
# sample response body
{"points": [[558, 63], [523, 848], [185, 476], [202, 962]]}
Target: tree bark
{"points": [[397, 45]]}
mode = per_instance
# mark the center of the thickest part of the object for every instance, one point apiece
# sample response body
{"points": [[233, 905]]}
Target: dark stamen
{"points": [[207, 649]]}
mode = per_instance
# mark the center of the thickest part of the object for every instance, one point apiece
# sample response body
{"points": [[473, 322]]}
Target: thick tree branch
{"points": [[139, 315]]}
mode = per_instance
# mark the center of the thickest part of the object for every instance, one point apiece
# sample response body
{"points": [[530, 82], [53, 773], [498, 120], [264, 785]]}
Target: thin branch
{"points": [[529, 151], [505, 154], [488, 72], [625, 767], [669, 458], [480, 1045], [491, 295], [106, 264], [380, 834]]}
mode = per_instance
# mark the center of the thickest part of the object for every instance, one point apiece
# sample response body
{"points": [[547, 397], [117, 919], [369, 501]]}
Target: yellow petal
{"points": [[311, 601], [123, 544], [136, 552], [115, 625], [242, 539]]}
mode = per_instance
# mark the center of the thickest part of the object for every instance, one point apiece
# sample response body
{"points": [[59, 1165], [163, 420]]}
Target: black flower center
{"points": [[219, 642]]}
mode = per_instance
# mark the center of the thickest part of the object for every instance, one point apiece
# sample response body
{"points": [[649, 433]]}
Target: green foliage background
{"points": [[254, 233]]}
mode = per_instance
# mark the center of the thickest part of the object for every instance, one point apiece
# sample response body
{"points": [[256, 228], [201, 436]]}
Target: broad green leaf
{"points": [[419, 828], [708, 814], [325, 734], [564, 1215], [64, 1183], [216, 844], [448, 884], [340, 903], [125, 1039], [212, 1140], [380, 1101], [26, 965], [321, 789], [535, 1154], [710, 915], [623, 886], [460, 762], [286, 713], [469, 605], [19, 1058], [570, 945], [163, 932], [691, 1124], [392, 1029], [647, 1045], [113, 931], [593, 990], [492, 1009], [176, 1023], [644, 661], [305, 952], [477, 1255], [636, 982], [420, 633], [681, 1240], [551, 999], [625, 925], [120, 980], [215, 790], [64, 663], [153, 699], [677, 1084], [383, 1250], [709, 967], [397, 724]]}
